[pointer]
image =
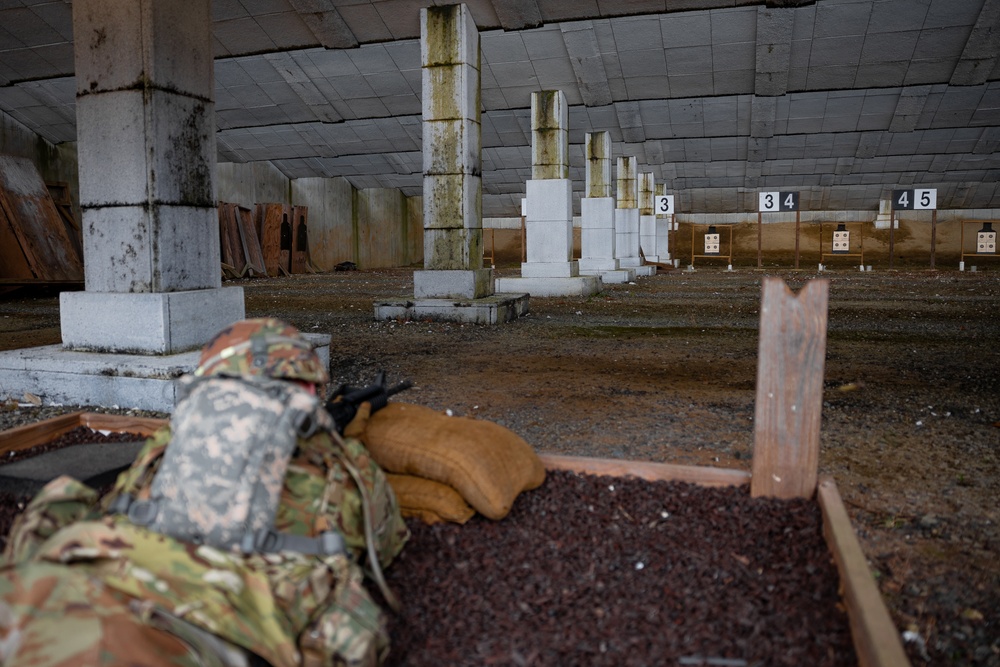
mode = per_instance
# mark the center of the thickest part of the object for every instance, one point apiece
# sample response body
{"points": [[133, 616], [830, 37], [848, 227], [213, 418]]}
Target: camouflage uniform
{"points": [[80, 586]]}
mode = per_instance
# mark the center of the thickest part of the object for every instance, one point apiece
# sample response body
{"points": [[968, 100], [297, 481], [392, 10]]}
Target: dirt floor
{"points": [[665, 370]]}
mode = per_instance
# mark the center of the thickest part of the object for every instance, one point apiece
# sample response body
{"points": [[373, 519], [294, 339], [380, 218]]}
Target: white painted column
{"points": [[627, 214], [647, 217], [549, 215], [452, 149], [597, 208], [146, 146]]}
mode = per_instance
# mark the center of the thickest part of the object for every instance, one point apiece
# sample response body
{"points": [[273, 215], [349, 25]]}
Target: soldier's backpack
{"points": [[220, 481]]}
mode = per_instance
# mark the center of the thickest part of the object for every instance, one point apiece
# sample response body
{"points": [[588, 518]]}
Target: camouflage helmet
{"points": [[264, 346]]}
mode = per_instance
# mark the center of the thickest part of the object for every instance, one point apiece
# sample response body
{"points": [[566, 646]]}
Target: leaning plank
{"points": [[876, 639], [31, 214], [789, 401], [647, 470], [251, 241], [229, 238]]}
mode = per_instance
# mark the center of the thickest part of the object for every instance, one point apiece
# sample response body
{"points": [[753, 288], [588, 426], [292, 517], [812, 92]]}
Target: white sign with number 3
{"points": [[664, 205]]}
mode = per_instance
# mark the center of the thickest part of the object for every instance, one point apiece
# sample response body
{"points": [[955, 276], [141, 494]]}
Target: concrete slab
{"points": [[578, 286], [68, 377], [496, 309], [94, 464], [645, 271]]}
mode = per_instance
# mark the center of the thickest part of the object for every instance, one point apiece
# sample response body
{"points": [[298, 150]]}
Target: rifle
{"points": [[343, 403]]}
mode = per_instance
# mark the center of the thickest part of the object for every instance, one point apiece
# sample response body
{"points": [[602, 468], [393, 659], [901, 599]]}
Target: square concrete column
{"points": [[452, 150], [597, 209], [550, 269], [146, 146], [647, 217], [549, 193], [627, 214]]}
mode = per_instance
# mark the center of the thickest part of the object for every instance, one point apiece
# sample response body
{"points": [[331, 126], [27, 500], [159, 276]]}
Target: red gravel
{"points": [[608, 571]]}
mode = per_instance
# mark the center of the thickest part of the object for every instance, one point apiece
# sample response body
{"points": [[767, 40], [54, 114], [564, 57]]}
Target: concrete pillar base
{"points": [[578, 286], [591, 266], [550, 269], [618, 277], [496, 309], [453, 284], [140, 382], [147, 322]]}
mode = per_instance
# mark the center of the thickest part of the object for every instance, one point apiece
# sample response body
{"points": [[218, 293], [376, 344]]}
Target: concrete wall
{"points": [[374, 228], [331, 219], [251, 183], [383, 228], [56, 164]]}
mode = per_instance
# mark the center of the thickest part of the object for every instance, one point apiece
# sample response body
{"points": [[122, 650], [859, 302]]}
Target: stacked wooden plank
{"points": [[239, 242], [36, 242]]}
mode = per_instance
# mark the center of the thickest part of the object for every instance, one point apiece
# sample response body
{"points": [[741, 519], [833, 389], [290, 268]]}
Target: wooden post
{"points": [[797, 219], [790, 361], [759, 223], [933, 235]]}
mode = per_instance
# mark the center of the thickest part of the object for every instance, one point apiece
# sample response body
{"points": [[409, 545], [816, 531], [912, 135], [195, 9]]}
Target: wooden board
{"points": [[300, 239], [274, 227], [647, 470], [39, 433], [251, 241], [876, 639], [230, 245], [33, 222], [789, 403]]}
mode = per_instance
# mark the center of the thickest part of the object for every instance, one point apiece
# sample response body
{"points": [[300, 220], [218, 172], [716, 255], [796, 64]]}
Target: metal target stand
{"points": [[823, 254], [717, 255]]}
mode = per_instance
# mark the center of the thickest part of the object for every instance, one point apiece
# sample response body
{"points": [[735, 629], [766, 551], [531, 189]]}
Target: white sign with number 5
{"points": [[925, 199]]}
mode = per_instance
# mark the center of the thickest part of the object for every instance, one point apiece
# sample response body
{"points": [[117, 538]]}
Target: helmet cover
{"points": [[263, 346]]}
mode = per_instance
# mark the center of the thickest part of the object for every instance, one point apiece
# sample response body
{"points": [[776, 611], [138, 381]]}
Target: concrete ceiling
{"points": [[842, 100]]}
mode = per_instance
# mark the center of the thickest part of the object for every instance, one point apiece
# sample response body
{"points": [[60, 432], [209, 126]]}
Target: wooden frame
{"points": [[873, 632]]}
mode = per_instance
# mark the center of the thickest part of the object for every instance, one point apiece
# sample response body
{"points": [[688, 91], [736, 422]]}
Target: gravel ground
{"points": [[665, 370]]}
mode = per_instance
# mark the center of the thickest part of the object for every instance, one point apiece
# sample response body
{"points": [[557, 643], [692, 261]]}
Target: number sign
{"points": [[771, 202], [664, 205], [908, 200]]}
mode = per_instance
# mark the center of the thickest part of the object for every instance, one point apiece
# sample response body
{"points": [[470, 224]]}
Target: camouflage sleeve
{"points": [[350, 629], [61, 502], [137, 478]]}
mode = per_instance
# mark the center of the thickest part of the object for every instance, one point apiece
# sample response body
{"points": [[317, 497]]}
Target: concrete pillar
{"points": [[886, 216], [597, 210], [647, 217], [627, 214], [549, 208], [146, 144], [550, 269], [452, 149]]}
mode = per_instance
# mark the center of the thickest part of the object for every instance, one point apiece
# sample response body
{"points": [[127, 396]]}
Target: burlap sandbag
{"points": [[431, 502], [489, 465]]}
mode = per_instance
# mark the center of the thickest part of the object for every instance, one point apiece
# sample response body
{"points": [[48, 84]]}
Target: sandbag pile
{"points": [[447, 468]]}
